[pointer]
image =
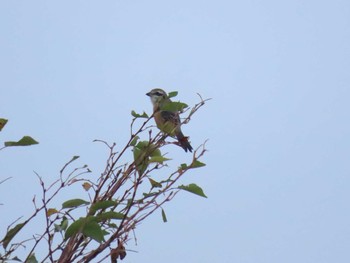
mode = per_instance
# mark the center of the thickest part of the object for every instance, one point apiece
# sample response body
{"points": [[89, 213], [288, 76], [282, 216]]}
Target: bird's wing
{"points": [[169, 116]]}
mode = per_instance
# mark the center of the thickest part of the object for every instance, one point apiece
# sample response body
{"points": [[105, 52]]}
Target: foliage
{"points": [[25, 141], [117, 201]]}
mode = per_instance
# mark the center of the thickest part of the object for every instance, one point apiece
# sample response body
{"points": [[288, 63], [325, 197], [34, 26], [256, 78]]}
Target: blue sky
{"points": [[277, 173]]}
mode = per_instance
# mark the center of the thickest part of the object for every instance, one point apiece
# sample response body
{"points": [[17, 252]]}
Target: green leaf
{"points": [[2, 123], [150, 149], [93, 230], [110, 215], [143, 145], [183, 166], [156, 152], [136, 115], [74, 158], [64, 223], [32, 259], [86, 225], [102, 205], [142, 152], [63, 226], [193, 188], [172, 94], [57, 228], [129, 203], [141, 161], [16, 259], [11, 234], [158, 159], [134, 141], [74, 203], [104, 232], [174, 106], [145, 195], [75, 228], [197, 164], [25, 141], [164, 216], [154, 183]]}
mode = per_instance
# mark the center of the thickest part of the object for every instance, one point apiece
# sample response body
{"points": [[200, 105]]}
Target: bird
{"points": [[167, 121]]}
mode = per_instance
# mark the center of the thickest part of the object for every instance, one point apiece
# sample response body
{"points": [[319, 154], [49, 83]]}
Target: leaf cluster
{"points": [[116, 203]]}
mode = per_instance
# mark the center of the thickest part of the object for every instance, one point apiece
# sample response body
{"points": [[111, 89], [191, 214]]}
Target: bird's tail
{"points": [[183, 141]]}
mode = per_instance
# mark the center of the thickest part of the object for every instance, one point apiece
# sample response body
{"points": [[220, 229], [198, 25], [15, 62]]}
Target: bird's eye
{"points": [[158, 93]]}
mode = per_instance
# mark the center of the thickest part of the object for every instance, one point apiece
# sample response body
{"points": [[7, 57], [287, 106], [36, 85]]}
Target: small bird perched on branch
{"points": [[167, 121]]}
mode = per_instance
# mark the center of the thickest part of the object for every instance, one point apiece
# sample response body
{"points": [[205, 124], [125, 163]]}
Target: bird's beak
{"points": [[148, 93]]}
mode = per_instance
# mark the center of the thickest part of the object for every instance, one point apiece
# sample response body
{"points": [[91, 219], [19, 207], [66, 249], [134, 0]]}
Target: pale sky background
{"points": [[278, 166]]}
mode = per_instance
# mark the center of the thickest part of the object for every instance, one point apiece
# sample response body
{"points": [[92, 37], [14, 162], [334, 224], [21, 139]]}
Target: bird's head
{"points": [[157, 96]]}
